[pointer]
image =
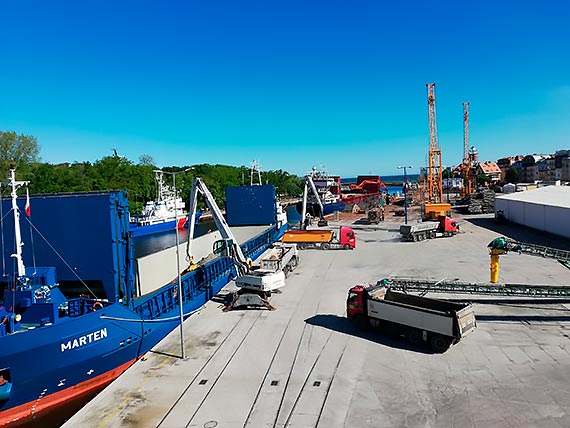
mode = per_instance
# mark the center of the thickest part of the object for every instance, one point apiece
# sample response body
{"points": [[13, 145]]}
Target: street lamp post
{"points": [[405, 192], [179, 279]]}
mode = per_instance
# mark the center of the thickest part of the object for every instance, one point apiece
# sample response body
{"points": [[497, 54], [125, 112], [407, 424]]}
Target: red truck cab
{"points": [[347, 238], [355, 302], [448, 225]]}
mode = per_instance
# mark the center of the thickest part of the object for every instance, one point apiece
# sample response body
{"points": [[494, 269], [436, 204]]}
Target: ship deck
{"points": [[306, 365]]}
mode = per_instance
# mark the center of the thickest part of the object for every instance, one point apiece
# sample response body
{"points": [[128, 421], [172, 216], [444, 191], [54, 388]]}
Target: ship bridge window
{"points": [[73, 289]]}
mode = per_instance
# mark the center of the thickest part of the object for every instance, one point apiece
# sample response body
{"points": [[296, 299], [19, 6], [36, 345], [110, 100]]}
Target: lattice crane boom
{"points": [[435, 188], [467, 173], [466, 134]]}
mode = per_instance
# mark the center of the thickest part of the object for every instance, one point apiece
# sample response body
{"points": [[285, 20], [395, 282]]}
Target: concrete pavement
{"points": [[305, 365]]}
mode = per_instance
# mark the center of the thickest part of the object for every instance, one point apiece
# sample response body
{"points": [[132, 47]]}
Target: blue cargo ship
{"points": [[65, 338]]}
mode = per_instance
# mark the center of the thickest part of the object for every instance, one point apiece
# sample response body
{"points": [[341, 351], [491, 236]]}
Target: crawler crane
{"points": [[255, 287]]}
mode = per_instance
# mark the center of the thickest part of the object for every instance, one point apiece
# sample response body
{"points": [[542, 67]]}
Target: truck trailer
{"points": [[445, 226], [440, 323], [279, 257], [325, 239]]}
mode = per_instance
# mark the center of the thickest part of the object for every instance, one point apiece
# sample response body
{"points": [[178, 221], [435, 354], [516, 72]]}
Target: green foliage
{"points": [[146, 160], [17, 150], [482, 179], [512, 175]]}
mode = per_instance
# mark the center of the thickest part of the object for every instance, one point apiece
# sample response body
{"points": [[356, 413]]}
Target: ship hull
{"points": [[149, 229]]}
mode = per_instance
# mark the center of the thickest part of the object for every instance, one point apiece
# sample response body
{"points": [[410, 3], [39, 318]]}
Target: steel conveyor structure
{"points": [[445, 286], [562, 256]]}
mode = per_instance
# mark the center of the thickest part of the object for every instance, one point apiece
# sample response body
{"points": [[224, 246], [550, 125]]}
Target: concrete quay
{"points": [[305, 365]]}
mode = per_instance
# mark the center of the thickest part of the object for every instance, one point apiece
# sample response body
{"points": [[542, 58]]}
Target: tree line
{"points": [[118, 173]]}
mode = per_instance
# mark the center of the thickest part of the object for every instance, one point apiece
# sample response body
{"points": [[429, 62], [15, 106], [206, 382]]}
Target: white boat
{"points": [[165, 213]]}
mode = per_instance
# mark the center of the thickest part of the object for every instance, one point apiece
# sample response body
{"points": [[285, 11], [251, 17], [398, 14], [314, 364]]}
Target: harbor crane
{"points": [[434, 206], [254, 287]]}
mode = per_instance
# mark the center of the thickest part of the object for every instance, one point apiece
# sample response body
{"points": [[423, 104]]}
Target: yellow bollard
{"points": [[494, 266]]}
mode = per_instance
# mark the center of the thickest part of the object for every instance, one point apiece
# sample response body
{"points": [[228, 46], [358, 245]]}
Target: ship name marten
{"points": [[84, 340]]}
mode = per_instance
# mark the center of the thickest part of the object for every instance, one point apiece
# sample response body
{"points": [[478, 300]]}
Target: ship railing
{"points": [[197, 286], [83, 305], [253, 248]]}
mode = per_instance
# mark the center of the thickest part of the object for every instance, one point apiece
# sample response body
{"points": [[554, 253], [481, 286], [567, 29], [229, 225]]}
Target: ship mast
{"points": [[17, 234]]}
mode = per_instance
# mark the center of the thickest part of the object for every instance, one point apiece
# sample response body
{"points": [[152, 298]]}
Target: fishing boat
{"points": [[165, 213], [69, 328]]}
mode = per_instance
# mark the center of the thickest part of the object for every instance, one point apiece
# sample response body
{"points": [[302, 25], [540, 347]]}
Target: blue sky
{"points": [[338, 84]]}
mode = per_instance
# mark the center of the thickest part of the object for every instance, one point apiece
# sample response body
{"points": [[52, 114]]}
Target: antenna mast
{"points": [[17, 233]]}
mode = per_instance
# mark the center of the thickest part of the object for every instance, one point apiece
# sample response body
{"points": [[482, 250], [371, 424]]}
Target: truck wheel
{"points": [[286, 271], [326, 246], [414, 336], [440, 343], [302, 246], [346, 247]]}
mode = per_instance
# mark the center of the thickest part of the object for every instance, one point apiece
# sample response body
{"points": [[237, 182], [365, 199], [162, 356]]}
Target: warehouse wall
{"points": [[546, 218]]}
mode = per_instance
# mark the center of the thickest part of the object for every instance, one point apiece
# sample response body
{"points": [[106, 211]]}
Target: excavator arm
{"points": [[228, 244], [310, 184], [254, 287]]}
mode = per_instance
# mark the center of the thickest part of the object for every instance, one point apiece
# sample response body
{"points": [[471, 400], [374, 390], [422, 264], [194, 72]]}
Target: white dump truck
{"points": [[440, 323], [279, 257]]}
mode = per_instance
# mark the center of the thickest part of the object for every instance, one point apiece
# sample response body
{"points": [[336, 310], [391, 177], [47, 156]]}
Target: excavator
{"points": [[309, 184], [254, 286], [362, 185]]}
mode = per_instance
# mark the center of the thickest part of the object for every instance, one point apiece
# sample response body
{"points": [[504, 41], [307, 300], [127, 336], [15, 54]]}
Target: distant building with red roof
{"points": [[490, 169]]}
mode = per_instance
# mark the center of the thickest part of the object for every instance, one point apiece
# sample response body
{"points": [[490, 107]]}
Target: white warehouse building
{"points": [[546, 209]]}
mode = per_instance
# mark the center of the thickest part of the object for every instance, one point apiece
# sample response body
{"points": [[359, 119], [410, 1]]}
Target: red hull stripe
{"points": [[32, 411]]}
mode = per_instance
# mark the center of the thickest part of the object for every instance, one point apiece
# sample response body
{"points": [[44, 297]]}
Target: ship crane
{"points": [[254, 287], [435, 206]]}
